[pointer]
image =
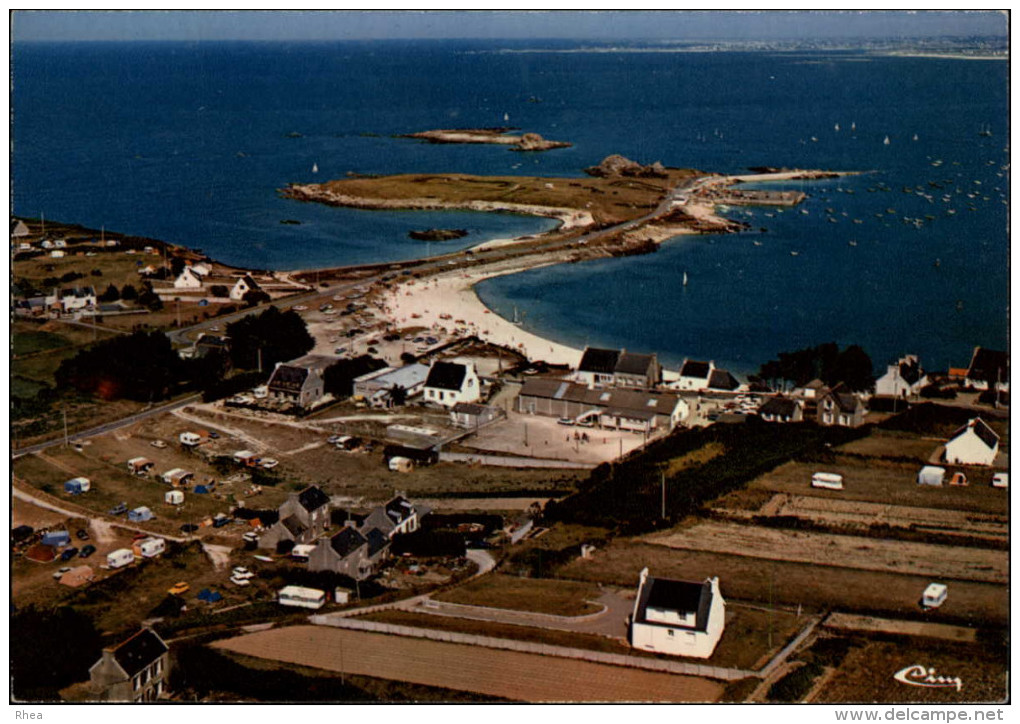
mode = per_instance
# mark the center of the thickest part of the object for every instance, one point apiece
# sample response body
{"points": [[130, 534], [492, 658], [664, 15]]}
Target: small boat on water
{"points": [[852, 243], [853, 125], [685, 279], [837, 128], [985, 131], [315, 168], [915, 136], [886, 141], [794, 253], [506, 117]]}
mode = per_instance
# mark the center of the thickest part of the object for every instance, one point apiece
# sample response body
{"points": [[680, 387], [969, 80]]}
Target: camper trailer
{"points": [[140, 515], [139, 466], [246, 457], [830, 481], [302, 597], [149, 547], [120, 558], [174, 497], [934, 595], [931, 475], [1000, 480], [400, 464], [190, 439], [77, 486]]}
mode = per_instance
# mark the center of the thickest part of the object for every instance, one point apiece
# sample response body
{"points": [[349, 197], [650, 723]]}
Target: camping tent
{"points": [[201, 490], [210, 596], [931, 475]]}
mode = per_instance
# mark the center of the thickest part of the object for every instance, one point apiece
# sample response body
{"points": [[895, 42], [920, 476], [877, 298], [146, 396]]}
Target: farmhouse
{"points": [[841, 407], [350, 553], [638, 410], [188, 279], [694, 375], [617, 368], [781, 409], [395, 517], [677, 617], [303, 517], [301, 381], [242, 286], [973, 444], [902, 379], [451, 382], [136, 669]]}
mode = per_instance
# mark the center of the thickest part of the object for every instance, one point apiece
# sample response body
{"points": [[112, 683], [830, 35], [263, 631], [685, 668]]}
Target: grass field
{"points": [[882, 443], [813, 586], [559, 598], [609, 200], [118, 268], [884, 481]]}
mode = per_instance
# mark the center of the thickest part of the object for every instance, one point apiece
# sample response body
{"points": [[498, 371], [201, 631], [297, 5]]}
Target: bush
{"points": [[430, 544], [53, 648], [219, 291], [792, 687]]}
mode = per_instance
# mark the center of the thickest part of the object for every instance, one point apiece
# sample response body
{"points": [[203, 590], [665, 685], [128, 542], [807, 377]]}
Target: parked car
{"points": [[60, 574], [566, 421], [214, 435], [87, 551], [269, 463], [242, 572], [119, 509], [240, 581], [250, 537], [69, 553], [220, 522], [179, 588], [82, 534], [158, 444]]}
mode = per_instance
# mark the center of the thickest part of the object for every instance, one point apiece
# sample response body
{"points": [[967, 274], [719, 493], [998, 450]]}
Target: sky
{"points": [[45, 25]]}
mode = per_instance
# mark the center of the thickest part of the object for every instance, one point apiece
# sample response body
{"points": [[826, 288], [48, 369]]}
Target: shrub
{"points": [[792, 687]]}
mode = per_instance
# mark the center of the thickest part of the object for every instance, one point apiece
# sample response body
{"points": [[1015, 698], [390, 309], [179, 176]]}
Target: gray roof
{"points": [[722, 380], [406, 377], [294, 525], [636, 364], [469, 408], [312, 498], [781, 406], [139, 651], [599, 360], [554, 389], [287, 378], [693, 368], [347, 541]]}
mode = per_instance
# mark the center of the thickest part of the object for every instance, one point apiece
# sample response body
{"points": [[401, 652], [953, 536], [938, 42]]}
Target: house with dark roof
{"points": [[683, 618], [905, 378], [136, 669], [989, 369], [617, 368], [242, 286], [694, 375], [722, 381], [781, 409], [300, 381], [397, 516], [839, 406], [304, 517], [973, 444], [451, 382], [350, 553]]}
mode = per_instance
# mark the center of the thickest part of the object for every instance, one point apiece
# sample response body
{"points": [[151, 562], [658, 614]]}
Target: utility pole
{"points": [[663, 474], [260, 359]]}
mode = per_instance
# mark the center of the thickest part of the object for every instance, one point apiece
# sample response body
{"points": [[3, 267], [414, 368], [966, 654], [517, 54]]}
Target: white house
{"points": [[682, 618], [188, 280], [301, 381], [71, 299], [973, 444], [694, 375], [19, 228], [451, 382], [902, 379], [244, 285], [203, 270]]}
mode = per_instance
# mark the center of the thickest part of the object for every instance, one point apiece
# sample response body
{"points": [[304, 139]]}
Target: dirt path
{"points": [[842, 550], [508, 674], [249, 440], [219, 555]]}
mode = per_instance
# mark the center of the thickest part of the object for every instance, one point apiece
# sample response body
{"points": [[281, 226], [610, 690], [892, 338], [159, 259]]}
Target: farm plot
{"points": [[790, 583], [549, 596], [866, 674], [883, 444], [884, 481], [508, 674], [830, 511], [873, 554]]}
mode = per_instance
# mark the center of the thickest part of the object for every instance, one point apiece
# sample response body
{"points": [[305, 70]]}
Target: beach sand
{"points": [[453, 293]]}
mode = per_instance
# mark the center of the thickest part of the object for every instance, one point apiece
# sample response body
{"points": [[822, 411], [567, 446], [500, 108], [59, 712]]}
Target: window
{"points": [[670, 633]]}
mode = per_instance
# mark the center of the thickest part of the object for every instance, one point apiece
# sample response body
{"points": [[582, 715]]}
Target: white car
{"points": [[60, 574], [240, 581], [269, 463], [158, 444], [242, 572], [300, 308]]}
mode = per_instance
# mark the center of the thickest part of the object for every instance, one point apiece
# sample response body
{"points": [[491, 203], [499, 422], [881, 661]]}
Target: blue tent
{"points": [[201, 490], [211, 596], [56, 538]]}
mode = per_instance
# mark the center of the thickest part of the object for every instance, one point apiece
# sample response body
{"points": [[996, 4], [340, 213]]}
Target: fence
{"points": [[512, 462], [529, 647]]}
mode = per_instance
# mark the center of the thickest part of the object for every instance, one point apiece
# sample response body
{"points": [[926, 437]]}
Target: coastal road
{"points": [[109, 426]]}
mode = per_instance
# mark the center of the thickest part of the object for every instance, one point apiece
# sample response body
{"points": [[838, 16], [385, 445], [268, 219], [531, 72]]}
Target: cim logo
{"points": [[917, 675]]}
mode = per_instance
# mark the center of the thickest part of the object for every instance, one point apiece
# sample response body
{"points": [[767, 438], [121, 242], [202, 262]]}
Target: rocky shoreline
{"points": [[494, 136]]}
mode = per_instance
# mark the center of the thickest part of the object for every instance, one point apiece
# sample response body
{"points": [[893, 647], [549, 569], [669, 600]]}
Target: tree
{"points": [[128, 292], [826, 362], [398, 395], [407, 358], [253, 297], [854, 369], [338, 378], [219, 290], [52, 649], [112, 294], [176, 266], [280, 336], [150, 299]]}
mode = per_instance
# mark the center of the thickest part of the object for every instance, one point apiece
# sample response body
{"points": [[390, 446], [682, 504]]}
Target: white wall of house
{"points": [[969, 449], [665, 639], [470, 390], [188, 280]]}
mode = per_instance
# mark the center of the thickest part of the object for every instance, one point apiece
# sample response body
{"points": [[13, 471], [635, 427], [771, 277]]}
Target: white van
{"points": [[830, 481], [190, 439], [1000, 480], [934, 595], [120, 558]]}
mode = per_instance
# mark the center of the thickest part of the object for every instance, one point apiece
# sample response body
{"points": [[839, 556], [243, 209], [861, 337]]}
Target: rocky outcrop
{"points": [[617, 165], [438, 234], [534, 142], [495, 136]]}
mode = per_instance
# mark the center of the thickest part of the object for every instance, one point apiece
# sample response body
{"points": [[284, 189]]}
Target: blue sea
{"points": [[191, 142]]}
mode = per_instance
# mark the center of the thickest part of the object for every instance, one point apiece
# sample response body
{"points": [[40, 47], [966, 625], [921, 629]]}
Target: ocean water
{"points": [[190, 143]]}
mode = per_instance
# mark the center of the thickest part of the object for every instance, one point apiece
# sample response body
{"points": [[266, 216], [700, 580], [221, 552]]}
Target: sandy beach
{"points": [[453, 294]]}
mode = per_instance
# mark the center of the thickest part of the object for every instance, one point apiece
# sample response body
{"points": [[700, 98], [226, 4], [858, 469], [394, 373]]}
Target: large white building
{"points": [[973, 444], [683, 618], [188, 279], [903, 379], [451, 382]]}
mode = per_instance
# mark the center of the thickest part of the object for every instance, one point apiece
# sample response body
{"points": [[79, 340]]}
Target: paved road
{"points": [[108, 426]]}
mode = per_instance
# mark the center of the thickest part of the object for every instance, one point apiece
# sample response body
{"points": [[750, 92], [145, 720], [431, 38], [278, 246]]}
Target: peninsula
{"points": [[494, 136]]}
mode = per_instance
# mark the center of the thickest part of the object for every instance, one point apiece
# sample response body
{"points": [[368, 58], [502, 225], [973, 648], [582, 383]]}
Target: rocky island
{"points": [[495, 136], [438, 234]]}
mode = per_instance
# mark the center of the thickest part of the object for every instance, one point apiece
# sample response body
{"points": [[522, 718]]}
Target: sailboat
{"points": [[886, 141], [837, 128], [853, 125], [985, 131], [506, 117], [315, 168], [685, 279], [915, 136]]}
